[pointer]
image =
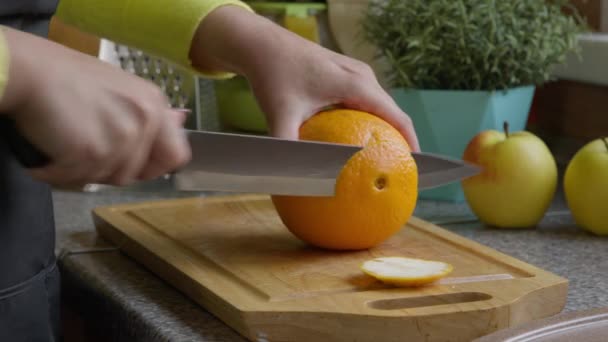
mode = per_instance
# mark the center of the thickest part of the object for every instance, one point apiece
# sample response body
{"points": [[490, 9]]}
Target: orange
{"points": [[376, 191], [401, 271]]}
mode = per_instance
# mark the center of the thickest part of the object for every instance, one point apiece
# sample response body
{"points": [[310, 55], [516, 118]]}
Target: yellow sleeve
{"points": [[164, 28], [4, 62]]}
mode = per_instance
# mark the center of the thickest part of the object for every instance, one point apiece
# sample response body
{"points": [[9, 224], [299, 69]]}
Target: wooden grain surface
{"points": [[233, 256]]}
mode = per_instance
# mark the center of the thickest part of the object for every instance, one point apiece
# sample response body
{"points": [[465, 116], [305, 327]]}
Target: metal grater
{"points": [[183, 89]]}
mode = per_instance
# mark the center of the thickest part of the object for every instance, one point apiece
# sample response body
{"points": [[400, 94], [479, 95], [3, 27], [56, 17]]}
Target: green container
{"points": [[237, 106], [445, 122]]}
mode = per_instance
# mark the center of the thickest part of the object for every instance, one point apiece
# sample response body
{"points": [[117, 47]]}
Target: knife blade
{"points": [[233, 162], [247, 163], [435, 170]]}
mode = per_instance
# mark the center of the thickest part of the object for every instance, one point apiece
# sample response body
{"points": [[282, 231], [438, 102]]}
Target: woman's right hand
{"points": [[95, 122]]}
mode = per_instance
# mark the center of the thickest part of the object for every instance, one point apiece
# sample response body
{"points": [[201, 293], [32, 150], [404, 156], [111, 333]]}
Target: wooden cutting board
{"points": [[234, 257]]}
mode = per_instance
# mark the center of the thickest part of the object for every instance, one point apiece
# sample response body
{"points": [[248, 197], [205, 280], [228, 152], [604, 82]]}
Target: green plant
{"points": [[471, 44]]}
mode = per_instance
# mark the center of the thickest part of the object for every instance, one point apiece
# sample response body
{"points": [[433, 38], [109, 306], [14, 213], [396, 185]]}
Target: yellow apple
{"points": [[586, 186], [518, 180]]}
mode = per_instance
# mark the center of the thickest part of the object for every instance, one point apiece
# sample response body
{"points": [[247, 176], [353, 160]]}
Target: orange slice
{"points": [[403, 271]]}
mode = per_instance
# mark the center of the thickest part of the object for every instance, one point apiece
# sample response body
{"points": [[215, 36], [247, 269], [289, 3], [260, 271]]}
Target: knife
{"points": [[230, 162], [247, 163]]}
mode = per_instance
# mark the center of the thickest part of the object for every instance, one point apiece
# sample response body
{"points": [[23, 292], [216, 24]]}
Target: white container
{"points": [[591, 66]]}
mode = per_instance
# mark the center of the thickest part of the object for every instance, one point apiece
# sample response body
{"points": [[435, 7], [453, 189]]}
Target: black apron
{"points": [[29, 279]]}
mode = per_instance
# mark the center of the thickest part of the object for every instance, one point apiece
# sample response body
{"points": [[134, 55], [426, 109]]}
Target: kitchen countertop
{"points": [[118, 299]]}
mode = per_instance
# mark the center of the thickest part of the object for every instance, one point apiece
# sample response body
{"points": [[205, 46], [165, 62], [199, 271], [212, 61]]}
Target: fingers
{"points": [[59, 176], [170, 150], [154, 123], [137, 151], [179, 115], [158, 148], [79, 164], [362, 91], [286, 127], [400, 120], [377, 102]]}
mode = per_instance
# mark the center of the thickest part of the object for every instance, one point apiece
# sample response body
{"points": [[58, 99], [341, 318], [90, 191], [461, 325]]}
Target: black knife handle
{"points": [[27, 154]]}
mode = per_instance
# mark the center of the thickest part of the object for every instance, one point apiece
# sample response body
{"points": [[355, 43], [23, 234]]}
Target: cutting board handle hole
{"points": [[424, 301]]}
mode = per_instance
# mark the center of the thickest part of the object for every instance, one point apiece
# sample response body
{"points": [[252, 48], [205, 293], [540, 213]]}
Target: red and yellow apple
{"points": [[586, 186], [518, 178]]}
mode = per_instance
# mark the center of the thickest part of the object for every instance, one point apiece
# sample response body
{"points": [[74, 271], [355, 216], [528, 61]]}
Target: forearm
{"points": [[164, 28], [15, 65], [235, 40], [244, 43]]}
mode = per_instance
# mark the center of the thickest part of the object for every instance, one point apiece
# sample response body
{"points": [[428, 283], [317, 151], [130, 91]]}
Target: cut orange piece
{"points": [[403, 271]]}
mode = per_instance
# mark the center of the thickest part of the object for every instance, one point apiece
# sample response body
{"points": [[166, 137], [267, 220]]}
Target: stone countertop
{"points": [[117, 299]]}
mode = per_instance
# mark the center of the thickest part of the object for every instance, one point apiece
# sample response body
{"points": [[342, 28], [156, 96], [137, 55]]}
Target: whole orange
{"points": [[376, 191]]}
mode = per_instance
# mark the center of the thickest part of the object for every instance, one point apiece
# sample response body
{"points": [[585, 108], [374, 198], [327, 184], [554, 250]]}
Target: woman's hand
{"points": [[292, 78], [96, 123]]}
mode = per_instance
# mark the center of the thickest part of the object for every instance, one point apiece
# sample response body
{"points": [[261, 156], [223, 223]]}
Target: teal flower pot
{"points": [[445, 121]]}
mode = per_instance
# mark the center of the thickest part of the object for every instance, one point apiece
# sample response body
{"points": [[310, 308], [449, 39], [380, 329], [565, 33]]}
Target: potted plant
{"points": [[460, 67]]}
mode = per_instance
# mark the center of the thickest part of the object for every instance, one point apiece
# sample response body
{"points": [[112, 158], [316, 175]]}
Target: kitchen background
{"points": [[112, 295]]}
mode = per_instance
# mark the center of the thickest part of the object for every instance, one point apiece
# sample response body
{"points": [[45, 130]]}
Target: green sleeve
{"points": [[4, 62], [164, 28]]}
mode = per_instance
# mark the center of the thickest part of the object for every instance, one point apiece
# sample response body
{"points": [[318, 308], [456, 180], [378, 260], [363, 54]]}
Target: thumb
{"points": [[285, 127]]}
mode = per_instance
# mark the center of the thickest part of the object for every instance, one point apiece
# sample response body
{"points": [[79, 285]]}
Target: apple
{"points": [[518, 178], [586, 186]]}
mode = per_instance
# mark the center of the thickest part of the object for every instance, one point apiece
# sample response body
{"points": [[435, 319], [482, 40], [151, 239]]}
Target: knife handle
{"points": [[27, 154]]}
